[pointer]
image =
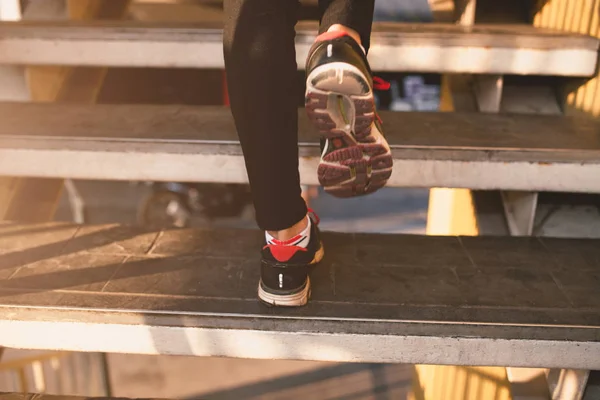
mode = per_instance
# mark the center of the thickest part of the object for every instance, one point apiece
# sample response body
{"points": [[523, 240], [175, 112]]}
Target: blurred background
{"points": [[181, 204]]}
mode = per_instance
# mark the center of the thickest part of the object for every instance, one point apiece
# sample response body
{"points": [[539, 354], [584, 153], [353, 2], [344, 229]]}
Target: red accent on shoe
{"points": [[330, 35], [380, 84], [283, 253]]}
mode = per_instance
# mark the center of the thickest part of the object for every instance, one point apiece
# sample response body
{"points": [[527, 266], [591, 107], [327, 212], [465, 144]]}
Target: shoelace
{"points": [[380, 84]]}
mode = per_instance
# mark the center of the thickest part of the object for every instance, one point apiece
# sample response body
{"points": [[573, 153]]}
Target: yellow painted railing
{"points": [[581, 16]]}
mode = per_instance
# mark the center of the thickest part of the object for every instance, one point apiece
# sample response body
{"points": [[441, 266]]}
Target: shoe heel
{"points": [[288, 300]]}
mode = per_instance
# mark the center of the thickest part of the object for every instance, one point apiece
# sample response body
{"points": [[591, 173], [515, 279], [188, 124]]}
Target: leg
{"points": [[354, 14], [260, 59]]}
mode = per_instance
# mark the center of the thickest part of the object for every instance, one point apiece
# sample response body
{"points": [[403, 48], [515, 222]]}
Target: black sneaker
{"points": [[355, 157], [285, 266]]}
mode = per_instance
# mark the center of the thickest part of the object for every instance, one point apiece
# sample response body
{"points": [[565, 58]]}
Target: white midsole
{"points": [[296, 299], [341, 67], [290, 300]]}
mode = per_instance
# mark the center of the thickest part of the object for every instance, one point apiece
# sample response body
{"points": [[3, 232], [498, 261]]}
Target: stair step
{"points": [[437, 48], [503, 301], [199, 144]]}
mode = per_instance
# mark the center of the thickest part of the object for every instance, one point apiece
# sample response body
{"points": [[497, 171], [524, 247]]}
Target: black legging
{"points": [[260, 59]]}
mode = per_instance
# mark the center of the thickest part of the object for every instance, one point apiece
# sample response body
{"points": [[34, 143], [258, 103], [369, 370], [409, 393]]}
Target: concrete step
{"points": [[502, 301], [199, 144], [441, 48]]}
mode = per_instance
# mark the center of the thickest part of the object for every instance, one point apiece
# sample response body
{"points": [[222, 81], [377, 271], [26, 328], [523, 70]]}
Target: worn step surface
{"points": [[441, 48], [199, 144], [383, 298]]}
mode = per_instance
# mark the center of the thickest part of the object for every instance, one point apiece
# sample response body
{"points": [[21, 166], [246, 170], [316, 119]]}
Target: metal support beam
{"points": [[519, 206], [488, 92], [592, 390], [76, 202], [465, 12], [567, 384], [519, 209], [528, 384]]}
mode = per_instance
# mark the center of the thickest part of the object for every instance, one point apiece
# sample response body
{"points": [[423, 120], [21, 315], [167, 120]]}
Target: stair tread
{"points": [[199, 144], [173, 124], [440, 34], [531, 290], [505, 49]]}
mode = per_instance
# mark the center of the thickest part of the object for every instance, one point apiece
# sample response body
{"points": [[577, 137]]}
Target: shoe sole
{"points": [[356, 159], [290, 300]]}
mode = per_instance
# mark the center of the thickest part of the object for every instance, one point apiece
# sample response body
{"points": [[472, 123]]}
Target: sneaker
{"points": [[355, 157], [285, 265]]}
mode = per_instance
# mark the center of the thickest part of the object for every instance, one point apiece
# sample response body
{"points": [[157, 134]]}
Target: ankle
{"points": [[290, 232], [351, 32]]}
